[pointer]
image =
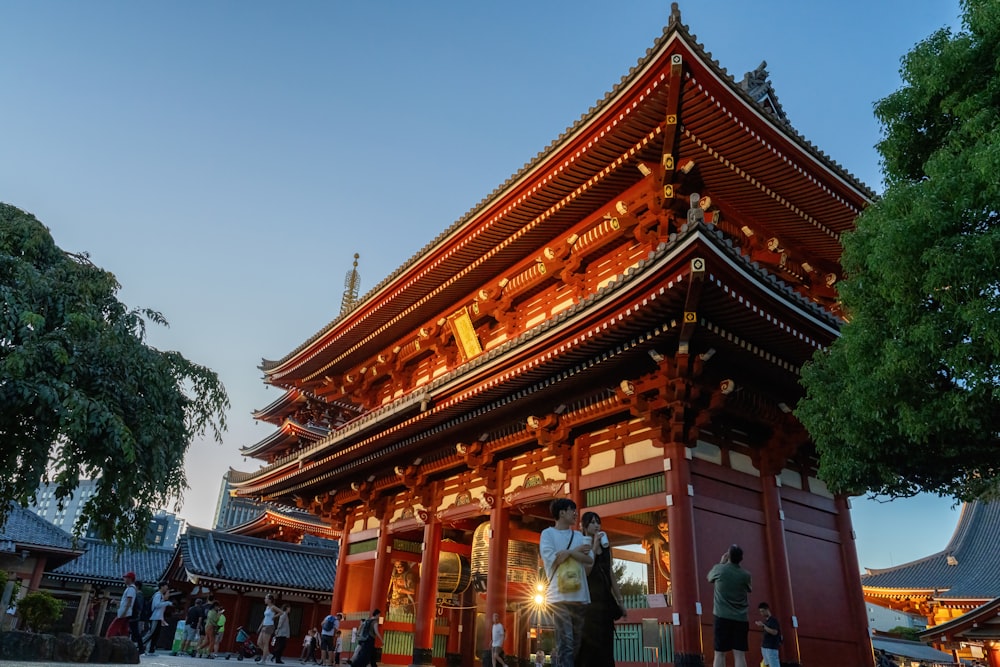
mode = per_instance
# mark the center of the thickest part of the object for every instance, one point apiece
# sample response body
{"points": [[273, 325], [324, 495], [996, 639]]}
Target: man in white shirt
{"points": [[497, 644], [567, 556]]}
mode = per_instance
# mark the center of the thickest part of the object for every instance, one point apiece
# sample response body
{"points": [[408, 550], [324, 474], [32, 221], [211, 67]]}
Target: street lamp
{"points": [[539, 600]]}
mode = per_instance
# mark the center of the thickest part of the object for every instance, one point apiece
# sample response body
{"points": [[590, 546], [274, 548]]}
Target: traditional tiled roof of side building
{"points": [[217, 559], [966, 569], [103, 563], [25, 528]]}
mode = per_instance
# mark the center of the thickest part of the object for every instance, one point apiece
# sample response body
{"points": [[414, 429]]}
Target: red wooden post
{"points": [[340, 579], [383, 562], [423, 631], [688, 651], [852, 579], [782, 602]]}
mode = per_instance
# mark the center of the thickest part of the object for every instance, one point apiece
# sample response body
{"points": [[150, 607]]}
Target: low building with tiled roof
{"points": [[949, 583], [91, 584], [30, 545], [223, 561], [238, 571]]}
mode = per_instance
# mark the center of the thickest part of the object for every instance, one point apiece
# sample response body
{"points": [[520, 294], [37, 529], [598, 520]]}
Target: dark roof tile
{"points": [[103, 563], [223, 557], [964, 569], [24, 527]]}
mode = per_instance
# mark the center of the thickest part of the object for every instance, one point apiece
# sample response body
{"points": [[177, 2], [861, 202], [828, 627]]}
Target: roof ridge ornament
{"points": [[758, 86], [675, 14], [352, 285]]}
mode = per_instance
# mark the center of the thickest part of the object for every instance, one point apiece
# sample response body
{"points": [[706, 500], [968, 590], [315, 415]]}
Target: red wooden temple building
{"points": [[622, 322]]}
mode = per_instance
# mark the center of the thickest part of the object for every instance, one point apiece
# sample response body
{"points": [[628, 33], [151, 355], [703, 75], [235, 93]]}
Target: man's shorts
{"points": [[731, 635], [326, 642], [190, 633]]}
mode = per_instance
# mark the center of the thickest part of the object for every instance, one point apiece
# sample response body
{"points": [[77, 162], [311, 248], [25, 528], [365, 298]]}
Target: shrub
{"points": [[39, 611]]}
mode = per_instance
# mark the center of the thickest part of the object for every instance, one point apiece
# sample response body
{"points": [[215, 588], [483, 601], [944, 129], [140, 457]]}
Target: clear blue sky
{"points": [[225, 159]]}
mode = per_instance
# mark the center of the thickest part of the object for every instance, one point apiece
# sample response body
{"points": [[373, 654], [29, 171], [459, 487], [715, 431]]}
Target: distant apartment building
{"points": [[230, 512], [883, 619], [163, 531]]}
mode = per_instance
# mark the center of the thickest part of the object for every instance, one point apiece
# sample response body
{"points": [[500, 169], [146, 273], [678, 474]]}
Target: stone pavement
{"points": [[162, 659]]}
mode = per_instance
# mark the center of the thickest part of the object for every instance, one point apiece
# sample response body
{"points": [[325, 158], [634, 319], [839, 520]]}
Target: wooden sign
{"points": [[465, 334]]}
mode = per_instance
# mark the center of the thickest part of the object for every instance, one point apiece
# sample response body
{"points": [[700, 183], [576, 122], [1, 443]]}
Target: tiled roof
{"points": [[674, 29], [965, 569], [103, 563], [215, 556], [25, 528]]}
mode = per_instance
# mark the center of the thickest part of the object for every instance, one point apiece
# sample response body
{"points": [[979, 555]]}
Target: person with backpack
{"points": [[207, 644], [772, 636], [135, 624], [154, 611], [364, 655], [328, 630], [120, 625], [192, 624]]}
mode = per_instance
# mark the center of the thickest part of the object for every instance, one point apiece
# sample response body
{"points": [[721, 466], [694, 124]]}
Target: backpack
{"points": [[137, 604], [329, 623], [147, 608], [365, 632]]}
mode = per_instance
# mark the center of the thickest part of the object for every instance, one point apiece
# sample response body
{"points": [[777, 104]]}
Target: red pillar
{"points": [[383, 561], [239, 616], [340, 580], [37, 572], [496, 580], [852, 581], [467, 641], [423, 630], [782, 600], [993, 656], [688, 651]]}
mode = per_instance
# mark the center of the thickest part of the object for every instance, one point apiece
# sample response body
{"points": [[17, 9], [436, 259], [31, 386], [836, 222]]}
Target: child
{"points": [[308, 647], [337, 647]]}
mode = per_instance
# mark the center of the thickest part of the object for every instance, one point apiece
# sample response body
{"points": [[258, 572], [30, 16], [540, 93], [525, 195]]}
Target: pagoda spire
{"points": [[351, 284]]}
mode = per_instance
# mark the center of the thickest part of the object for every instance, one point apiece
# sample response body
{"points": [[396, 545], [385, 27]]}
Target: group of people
{"points": [[140, 621], [731, 612], [583, 593], [204, 627], [327, 639], [586, 600]]}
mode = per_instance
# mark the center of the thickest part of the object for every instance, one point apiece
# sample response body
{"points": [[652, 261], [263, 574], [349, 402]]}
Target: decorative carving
{"points": [[479, 459], [553, 435]]}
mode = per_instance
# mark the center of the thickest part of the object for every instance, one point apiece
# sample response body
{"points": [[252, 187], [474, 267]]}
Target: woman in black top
{"points": [[605, 600]]}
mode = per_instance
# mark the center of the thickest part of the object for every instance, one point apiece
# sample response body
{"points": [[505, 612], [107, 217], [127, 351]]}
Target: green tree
{"points": [[82, 395], [39, 611], [629, 585], [904, 632], [908, 399]]}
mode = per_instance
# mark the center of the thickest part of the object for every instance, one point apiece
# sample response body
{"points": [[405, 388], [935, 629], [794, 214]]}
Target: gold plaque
{"points": [[465, 334]]}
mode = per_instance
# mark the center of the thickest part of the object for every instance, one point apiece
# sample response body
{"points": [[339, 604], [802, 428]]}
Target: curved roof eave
{"points": [[343, 441], [675, 30]]}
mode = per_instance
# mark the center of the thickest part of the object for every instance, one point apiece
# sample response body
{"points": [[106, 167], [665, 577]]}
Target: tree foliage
{"points": [[39, 611], [906, 401], [82, 395], [628, 584]]}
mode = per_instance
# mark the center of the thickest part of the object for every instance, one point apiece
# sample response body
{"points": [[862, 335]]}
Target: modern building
{"points": [[883, 619], [163, 530]]}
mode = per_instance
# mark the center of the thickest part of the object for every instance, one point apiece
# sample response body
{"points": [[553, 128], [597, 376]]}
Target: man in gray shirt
{"points": [[729, 607]]}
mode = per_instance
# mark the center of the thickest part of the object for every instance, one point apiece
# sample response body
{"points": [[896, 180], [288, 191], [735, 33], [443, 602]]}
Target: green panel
{"points": [[406, 545], [397, 643], [364, 546], [401, 643], [628, 644], [633, 488]]}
